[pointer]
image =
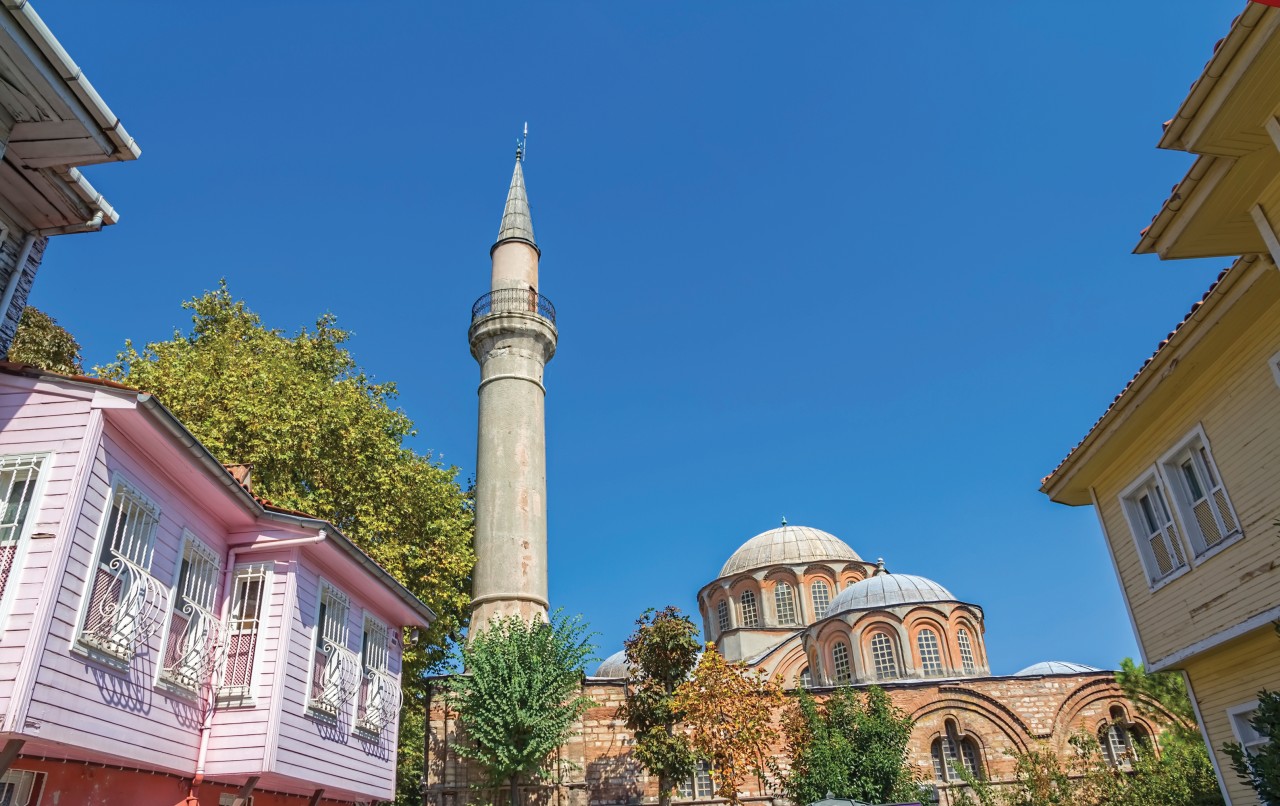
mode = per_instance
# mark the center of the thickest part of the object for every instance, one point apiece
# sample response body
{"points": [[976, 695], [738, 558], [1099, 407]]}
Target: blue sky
{"points": [[865, 265]]}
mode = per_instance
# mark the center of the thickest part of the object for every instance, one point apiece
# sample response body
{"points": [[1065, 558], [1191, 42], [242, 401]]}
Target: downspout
{"points": [[11, 287], [228, 576]]}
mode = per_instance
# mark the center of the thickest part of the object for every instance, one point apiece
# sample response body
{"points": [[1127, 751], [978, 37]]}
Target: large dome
{"points": [[887, 590], [614, 666], [1055, 667], [788, 545]]}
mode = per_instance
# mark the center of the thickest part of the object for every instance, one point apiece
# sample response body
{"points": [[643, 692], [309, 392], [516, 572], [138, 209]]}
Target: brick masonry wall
{"points": [[1003, 715]]}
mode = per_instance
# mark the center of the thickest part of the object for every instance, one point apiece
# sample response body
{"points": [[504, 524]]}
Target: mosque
{"points": [[795, 602]]}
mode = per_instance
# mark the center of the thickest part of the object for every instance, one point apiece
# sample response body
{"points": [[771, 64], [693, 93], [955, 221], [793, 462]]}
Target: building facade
{"points": [[1181, 468], [52, 121], [166, 637]]}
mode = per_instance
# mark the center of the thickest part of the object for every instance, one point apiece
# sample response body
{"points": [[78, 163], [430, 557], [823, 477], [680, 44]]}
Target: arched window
{"points": [[840, 657], [883, 659], [930, 656], [806, 679], [950, 749], [966, 650], [750, 613], [784, 601], [722, 615], [820, 593], [1121, 740]]}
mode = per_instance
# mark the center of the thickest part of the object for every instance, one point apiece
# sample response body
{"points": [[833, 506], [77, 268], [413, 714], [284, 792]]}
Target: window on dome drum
{"points": [[883, 658], [722, 615], [1159, 546], [18, 477], [930, 655], [950, 750], [125, 603], [1202, 503], [21, 788], [784, 601], [821, 595], [750, 612], [840, 662], [966, 650]]}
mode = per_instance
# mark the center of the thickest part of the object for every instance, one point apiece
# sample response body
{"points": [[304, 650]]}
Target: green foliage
{"points": [[1261, 770], [520, 695], [853, 745], [322, 438], [661, 653], [1168, 691], [42, 342]]}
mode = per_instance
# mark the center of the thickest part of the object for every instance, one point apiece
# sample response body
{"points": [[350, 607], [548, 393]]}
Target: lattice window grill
{"points": [[784, 601], [820, 592], [840, 662], [126, 604], [18, 477], [195, 630], [722, 615], [966, 650], [882, 656], [379, 700], [248, 590], [930, 653], [335, 667], [750, 612]]}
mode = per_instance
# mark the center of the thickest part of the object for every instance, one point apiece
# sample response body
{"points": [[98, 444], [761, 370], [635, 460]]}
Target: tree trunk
{"points": [[515, 790], [664, 791]]}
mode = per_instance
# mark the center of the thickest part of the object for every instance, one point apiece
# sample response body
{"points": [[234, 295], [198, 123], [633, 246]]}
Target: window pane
{"points": [[1193, 481], [785, 603], [750, 614], [966, 649], [821, 595], [930, 655], [722, 615], [886, 664], [840, 655]]}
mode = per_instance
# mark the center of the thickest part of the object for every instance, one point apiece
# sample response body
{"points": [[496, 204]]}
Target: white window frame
{"points": [[22, 540], [120, 486], [342, 653], [377, 673], [1150, 481], [1238, 716], [207, 602], [1195, 447], [243, 694], [27, 784]]}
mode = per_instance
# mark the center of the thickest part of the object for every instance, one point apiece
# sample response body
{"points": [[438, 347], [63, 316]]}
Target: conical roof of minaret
{"points": [[517, 223]]}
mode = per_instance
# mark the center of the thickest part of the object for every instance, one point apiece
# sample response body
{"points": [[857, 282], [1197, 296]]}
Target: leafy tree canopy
{"points": [[42, 342], [853, 745], [520, 695], [661, 654], [1261, 768], [729, 711], [325, 439]]}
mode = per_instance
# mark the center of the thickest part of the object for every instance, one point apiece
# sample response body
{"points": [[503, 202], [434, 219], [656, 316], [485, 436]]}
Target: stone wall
{"points": [[1002, 715]]}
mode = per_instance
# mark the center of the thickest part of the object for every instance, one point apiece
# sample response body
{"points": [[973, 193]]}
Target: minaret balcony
{"points": [[513, 300]]}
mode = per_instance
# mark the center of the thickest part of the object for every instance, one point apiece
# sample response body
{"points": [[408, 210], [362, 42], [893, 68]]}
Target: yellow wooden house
{"points": [[1183, 468]]}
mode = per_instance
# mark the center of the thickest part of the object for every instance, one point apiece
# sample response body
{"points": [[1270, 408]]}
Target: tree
{"points": [[729, 710], [520, 695], [42, 342], [325, 439], [1260, 768], [853, 745], [661, 653]]}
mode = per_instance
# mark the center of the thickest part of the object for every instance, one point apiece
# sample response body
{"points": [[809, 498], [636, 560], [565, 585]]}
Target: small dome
{"points": [[887, 590], [1055, 667], [614, 666], [788, 545]]}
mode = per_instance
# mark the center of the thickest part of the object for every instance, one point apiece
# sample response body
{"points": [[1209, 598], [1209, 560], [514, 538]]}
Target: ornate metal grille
{"points": [[247, 593], [194, 629], [930, 655], [334, 668], [18, 476], [126, 603], [514, 300], [21, 787], [379, 700]]}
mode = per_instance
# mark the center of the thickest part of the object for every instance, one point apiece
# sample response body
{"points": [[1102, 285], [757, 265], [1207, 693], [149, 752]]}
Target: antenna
{"points": [[522, 144]]}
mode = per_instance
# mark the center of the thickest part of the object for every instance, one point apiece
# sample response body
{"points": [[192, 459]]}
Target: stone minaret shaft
{"points": [[513, 336]]}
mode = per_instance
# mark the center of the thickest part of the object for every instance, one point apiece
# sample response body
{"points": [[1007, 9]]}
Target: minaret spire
{"points": [[513, 335]]}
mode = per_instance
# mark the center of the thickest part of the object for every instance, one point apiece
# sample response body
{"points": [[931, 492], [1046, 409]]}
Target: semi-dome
{"points": [[788, 545], [614, 666], [1055, 667], [887, 590]]}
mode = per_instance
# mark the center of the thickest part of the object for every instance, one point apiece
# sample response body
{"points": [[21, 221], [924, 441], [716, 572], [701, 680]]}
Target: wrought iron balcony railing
{"points": [[514, 300]]}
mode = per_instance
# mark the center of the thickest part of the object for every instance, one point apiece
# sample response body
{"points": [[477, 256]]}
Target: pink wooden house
{"points": [[166, 637]]}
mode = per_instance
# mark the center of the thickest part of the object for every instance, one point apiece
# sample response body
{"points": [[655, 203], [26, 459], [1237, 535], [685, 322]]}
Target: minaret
{"points": [[513, 336]]}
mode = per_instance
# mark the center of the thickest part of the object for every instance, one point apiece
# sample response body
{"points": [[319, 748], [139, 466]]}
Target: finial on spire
{"points": [[522, 145], [784, 520]]}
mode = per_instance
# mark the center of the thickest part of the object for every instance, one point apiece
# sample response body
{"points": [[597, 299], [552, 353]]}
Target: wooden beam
{"points": [[242, 797], [1268, 232], [1273, 128], [315, 799], [10, 754]]}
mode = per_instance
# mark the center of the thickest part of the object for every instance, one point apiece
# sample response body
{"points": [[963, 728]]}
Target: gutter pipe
{"points": [[11, 287]]}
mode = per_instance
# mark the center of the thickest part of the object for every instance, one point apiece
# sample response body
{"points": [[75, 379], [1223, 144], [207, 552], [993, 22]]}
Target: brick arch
{"points": [[1100, 695], [953, 700], [787, 672], [959, 618], [825, 642], [928, 618]]}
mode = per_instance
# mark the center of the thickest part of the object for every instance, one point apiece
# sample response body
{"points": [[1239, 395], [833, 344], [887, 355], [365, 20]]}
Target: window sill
{"points": [[1165, 580], [322, 712], [1231, 540], [173, 688], [235, 699], [102, 657]]}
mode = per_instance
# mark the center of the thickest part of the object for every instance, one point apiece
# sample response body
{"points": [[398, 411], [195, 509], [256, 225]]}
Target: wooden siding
{"points": [[329, 752], [1228, 676], [1233, 394], [105, 711], [35, 422]]}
